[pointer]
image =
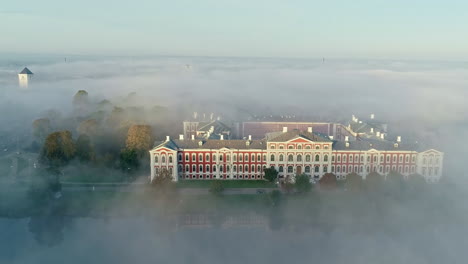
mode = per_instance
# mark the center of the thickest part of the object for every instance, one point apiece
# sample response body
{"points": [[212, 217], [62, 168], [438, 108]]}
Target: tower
{"points": [[24, 76]]}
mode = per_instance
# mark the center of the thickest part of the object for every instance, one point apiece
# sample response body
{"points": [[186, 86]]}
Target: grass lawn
{"points": [[226, 184]]}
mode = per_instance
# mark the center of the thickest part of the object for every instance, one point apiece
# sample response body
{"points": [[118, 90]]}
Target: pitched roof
{"points": [[212, 144], [26, 71], [295, 133]]}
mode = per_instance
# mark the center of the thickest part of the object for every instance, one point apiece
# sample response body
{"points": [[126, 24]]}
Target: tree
{"points": [[59, 148], [84, 148], [139, 138], [353, 182], [88, 127], [80, 99], [41, 128], [128, 160], [302, 183], [163, 182], [271, 174], [216, 187], [328, 181]]}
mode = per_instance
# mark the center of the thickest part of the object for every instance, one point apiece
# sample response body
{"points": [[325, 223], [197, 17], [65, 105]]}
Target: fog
{"points": [[421, 100]]}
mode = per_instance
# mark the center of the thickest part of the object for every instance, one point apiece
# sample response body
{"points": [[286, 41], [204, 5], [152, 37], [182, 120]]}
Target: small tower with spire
{"points": [[24, 76]]}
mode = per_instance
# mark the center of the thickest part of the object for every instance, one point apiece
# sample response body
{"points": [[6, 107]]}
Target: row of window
{"points": [[307, 169], [298, 146], [360, 158], [221, 157], [222, 168], [430, 171], [431, 158], [163, 159], [298, 158], [251, 177], [382, 169]]}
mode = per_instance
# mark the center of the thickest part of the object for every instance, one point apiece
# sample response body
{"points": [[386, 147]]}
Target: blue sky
{"points": [[399, 29]]}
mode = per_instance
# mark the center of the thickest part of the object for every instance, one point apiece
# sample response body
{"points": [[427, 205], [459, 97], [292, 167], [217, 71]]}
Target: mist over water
{"points": [[422, 101]]}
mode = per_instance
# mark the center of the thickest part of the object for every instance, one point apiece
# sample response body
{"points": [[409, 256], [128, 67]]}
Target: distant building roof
{"points": [[286, 136], [26, 71], [212, 144], [382, 145]]}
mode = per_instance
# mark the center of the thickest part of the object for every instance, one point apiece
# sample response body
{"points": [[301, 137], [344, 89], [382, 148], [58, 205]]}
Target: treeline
{"points": [[116, 136]]}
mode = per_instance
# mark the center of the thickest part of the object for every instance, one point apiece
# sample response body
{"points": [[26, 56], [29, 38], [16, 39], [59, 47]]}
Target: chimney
{"points": [[378, 134], [372, 116], [222, 137], [247, 143], [181, 137], [330, 137], [200, 143], [382, 136], [372, 130], [168, 138], [193, 137], [285, 129], [346, 138], [398, 139], [250, 137], [309, 129], [347, 144]]}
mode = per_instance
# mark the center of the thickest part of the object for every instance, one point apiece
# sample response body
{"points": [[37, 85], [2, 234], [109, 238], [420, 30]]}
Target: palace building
{"points": [[291, 152]]}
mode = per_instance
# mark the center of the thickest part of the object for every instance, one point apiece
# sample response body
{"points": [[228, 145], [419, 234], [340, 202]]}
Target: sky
{"points": [[398, 29]]}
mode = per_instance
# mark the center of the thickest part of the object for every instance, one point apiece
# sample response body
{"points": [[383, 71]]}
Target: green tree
{"points": [[84, 149], [59, 148], [41, 128], [271, 174], [163, 182], [353, 182], [302, 183], [128, 161], [216, 187]]}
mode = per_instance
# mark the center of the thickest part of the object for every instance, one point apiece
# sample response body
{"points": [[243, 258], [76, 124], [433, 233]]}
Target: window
{"points": [[375, 159], [228, 169], [325, 169], [350, 169], [281, 158], [259, 158], [333, 158], [234, 157], [240, 157], [170, 159], [325, 147], [240, 168], [307, 147], [400, 158], [325, 158], [264, 157], [228, 157], [290, 158], [290, 147], [394, 158], [186, 157], [207, 158], [299, 157], [200, 157], [280, 169], [350, 158], [381, 159], [259, 169], [316, 169], [221, 157], [246, 168], [252, 159], [307, 158], [317, 147], [156, 160], [388, 158], [193, 157], [307, 169], [381, 169], [413, 159], [207, 168], [290, 169], [368, 158], [186, 168], [338, 169], [344, 158], [246, 158], [272, 146], [234, 168], [163, 159], [281, 147], [194, 168], [317, 158], [272, 157], [180, 157], [339, 158], [252, 169], [407, 158], [362, 158], [214, 168], [333, 168], [343, 168], [299, 146], [201, 168]]}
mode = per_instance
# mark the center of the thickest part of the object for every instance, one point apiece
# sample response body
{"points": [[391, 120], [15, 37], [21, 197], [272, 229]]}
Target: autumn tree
{"points": [[139, 138], [41, 128], [59, 148], [328, 181], [271, 174], [302, 183], [84, 148], [80, 98], [88, 127]]}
